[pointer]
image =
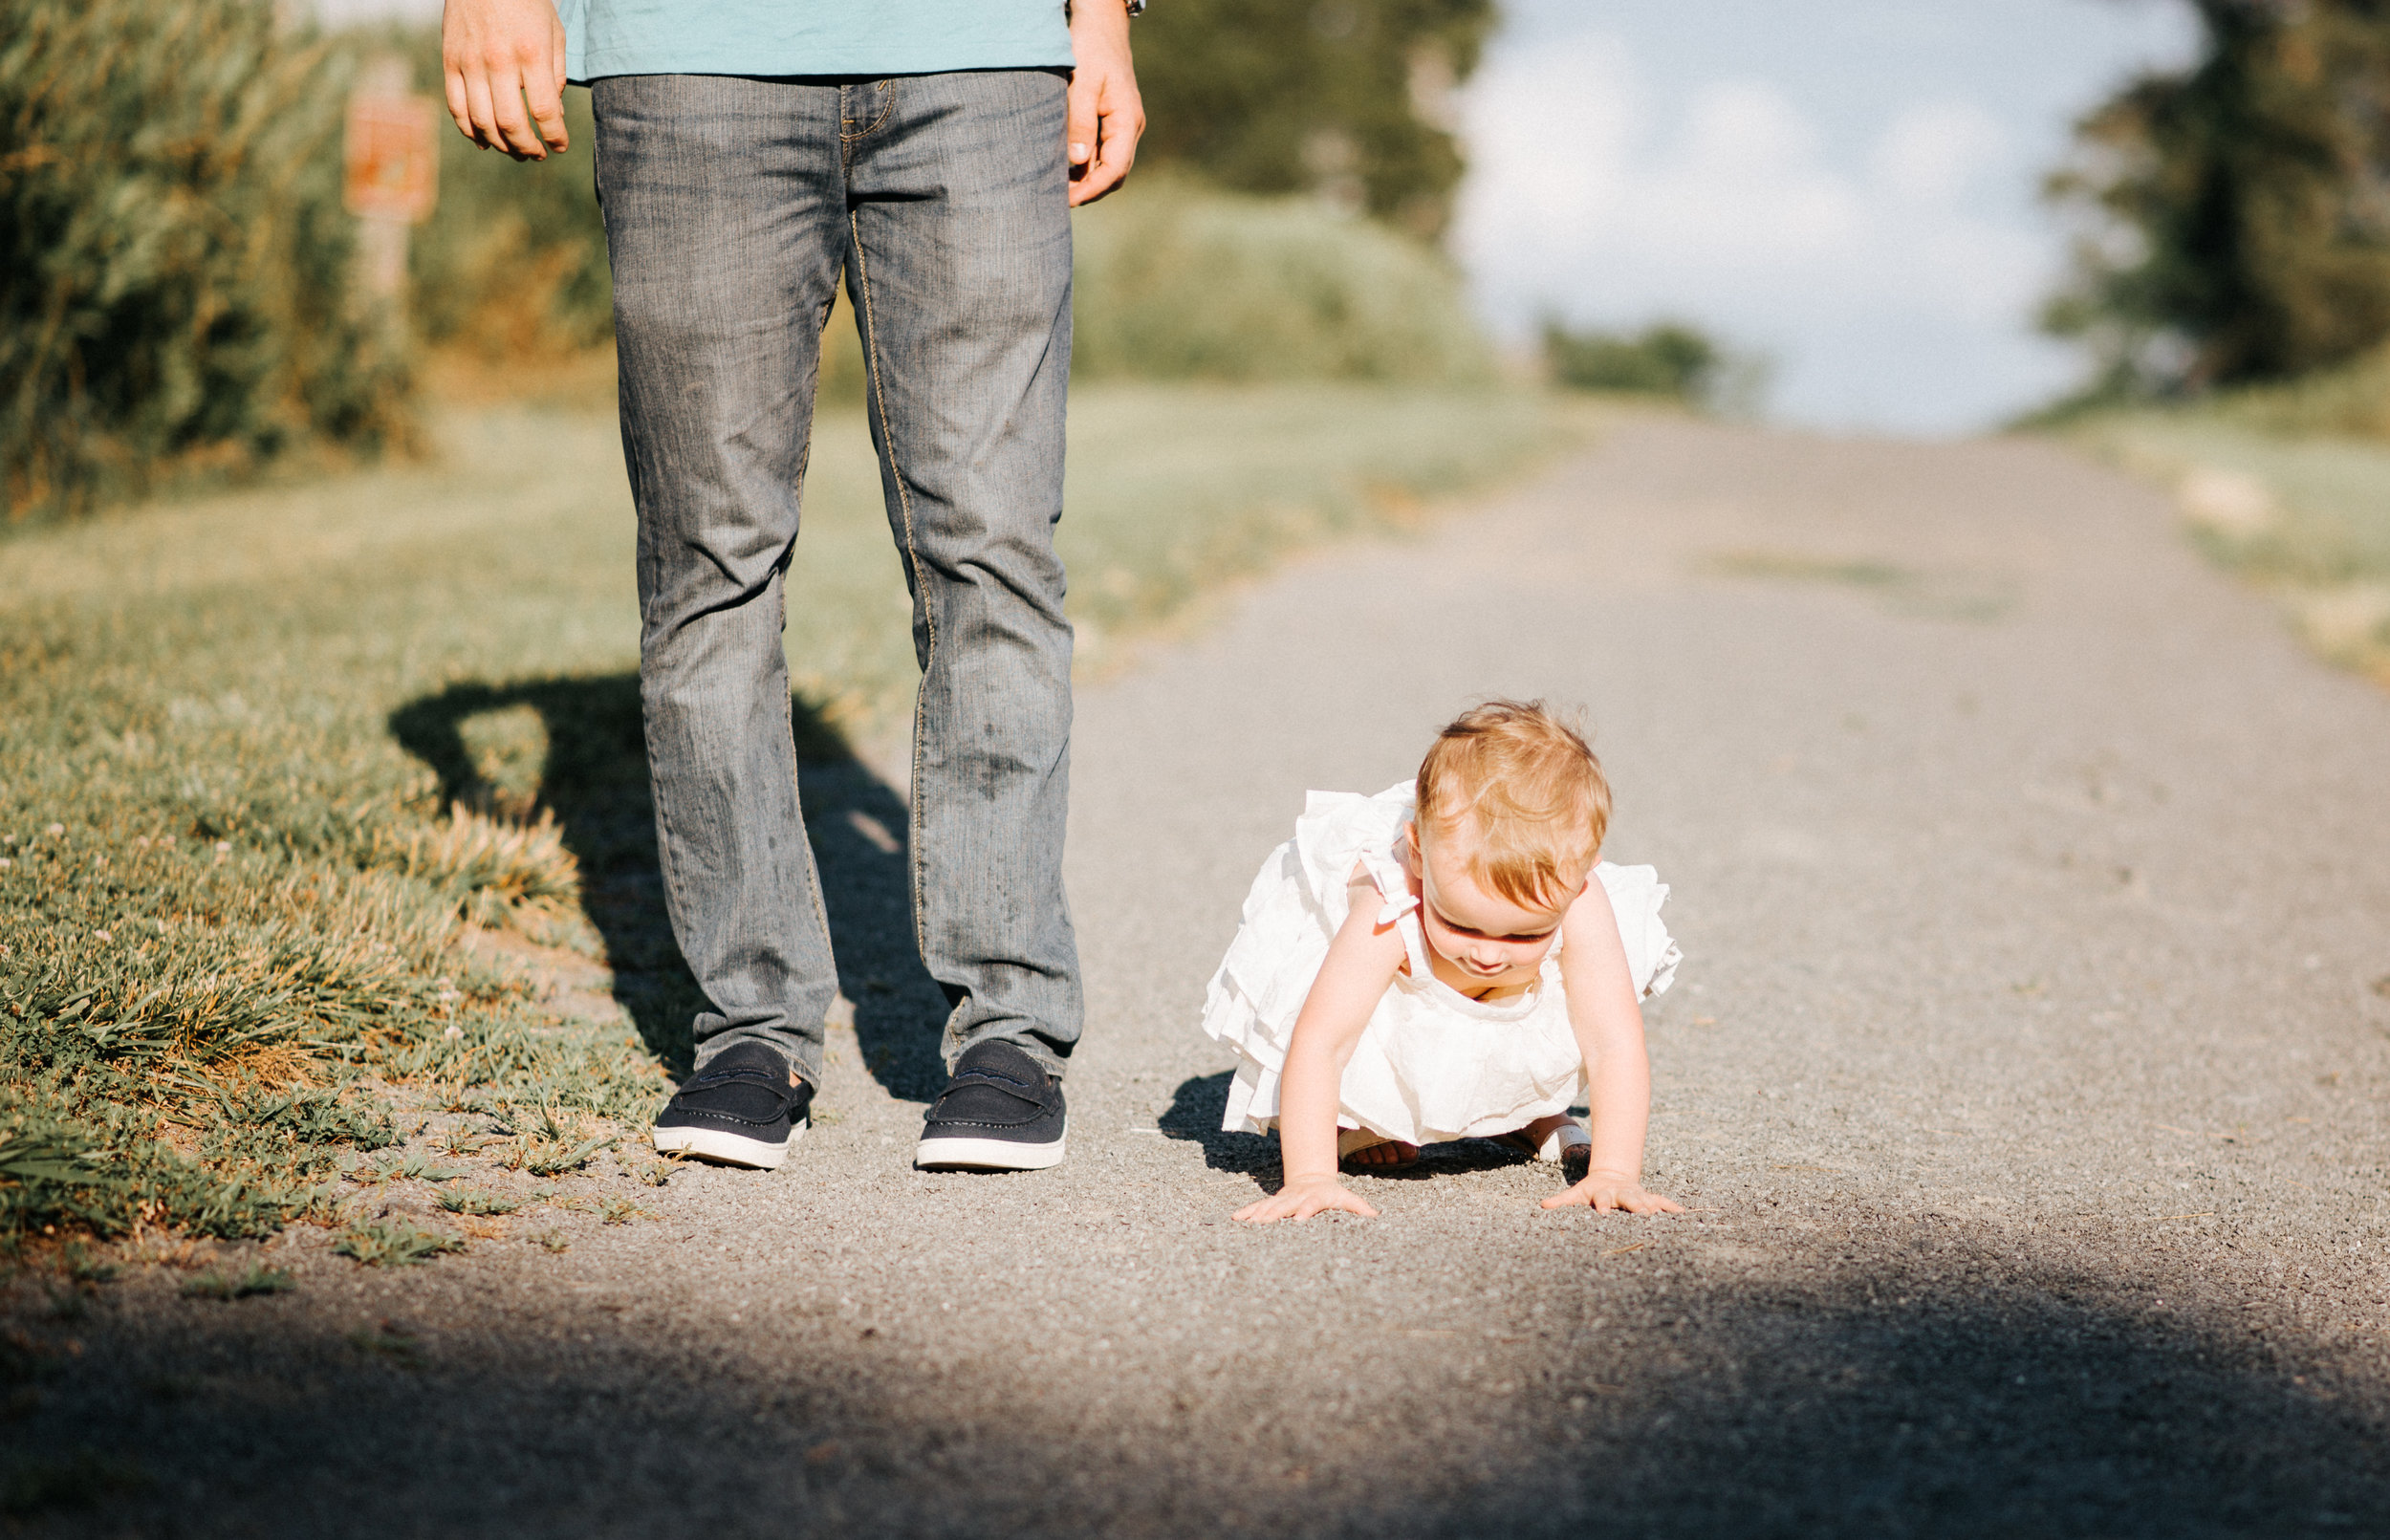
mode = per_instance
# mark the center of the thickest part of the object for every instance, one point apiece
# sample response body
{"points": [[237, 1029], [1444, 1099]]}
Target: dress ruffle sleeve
{"points": [[1297, 903], [1636, 894]]}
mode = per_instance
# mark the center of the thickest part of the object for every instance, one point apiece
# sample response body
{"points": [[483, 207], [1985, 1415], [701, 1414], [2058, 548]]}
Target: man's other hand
{"points": [[1106, 115], [496, 55]]}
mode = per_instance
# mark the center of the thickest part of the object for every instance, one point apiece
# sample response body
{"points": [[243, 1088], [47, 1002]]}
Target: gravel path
{"points": [[2026, 1079]]}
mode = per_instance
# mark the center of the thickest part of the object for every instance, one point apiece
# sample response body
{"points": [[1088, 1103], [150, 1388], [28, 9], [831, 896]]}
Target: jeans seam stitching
{"points": [[796, 789], [888, 105], [670, 869], [912, 557]]}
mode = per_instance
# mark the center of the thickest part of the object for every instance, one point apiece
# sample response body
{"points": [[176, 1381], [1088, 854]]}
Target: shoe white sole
{"points": [[986, 1154], [727, 1149]]}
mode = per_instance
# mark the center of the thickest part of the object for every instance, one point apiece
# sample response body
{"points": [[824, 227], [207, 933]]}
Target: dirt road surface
{"points": [[2025, 1079]]}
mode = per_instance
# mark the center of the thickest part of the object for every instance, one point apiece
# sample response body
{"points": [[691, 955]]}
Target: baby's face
{"points": [[1489, 940]]}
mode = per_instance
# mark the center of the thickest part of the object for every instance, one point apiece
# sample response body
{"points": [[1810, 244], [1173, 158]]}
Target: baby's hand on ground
{"points": [[1603, 1191], [1303, 1196]]}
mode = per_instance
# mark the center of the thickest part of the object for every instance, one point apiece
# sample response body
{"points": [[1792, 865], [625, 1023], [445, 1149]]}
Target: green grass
{"points": [[276, 765], [395, 1242], [413, 1166], [2304, 515], [472, 1202], [2350, 401]]}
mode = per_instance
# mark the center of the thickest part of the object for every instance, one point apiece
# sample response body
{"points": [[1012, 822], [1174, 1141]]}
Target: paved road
{"points": [[2026, 1081]]}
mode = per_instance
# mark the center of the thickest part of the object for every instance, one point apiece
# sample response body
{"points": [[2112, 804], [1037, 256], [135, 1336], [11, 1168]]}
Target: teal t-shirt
{"points": [[866, 37]]}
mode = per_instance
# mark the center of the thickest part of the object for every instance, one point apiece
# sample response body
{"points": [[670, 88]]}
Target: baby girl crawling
{"points": [[1445, 960]]}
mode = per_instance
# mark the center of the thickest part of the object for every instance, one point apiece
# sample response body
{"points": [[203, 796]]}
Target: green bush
{"points": [[511, 264], [174, 259], [1177, 282], [1665, 360], [1671, 361]]}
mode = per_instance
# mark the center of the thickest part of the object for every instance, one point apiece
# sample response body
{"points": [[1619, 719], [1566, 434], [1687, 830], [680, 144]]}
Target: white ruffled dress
{"points": [[1433, 1064]]}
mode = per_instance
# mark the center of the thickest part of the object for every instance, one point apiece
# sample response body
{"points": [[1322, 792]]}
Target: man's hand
{"points": [[495, 53], [1106, 115], [1603, 1191], [1302, 1198]]}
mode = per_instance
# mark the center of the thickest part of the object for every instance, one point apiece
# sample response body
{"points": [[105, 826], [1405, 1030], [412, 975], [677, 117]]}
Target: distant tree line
{"points": [[1352, 99], [1674, 361], [2238, 212]]}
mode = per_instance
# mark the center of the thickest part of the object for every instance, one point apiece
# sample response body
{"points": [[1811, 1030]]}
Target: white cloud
{"points": [[1742, 189], [1932, 155], [1894, 289]]}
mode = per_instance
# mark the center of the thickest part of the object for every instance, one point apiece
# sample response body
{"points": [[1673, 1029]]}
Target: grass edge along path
{"points": [[2305, 517], [307, 793]]}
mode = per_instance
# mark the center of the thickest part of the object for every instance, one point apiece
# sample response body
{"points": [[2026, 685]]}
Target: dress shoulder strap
{"points": [[1400, 907]]}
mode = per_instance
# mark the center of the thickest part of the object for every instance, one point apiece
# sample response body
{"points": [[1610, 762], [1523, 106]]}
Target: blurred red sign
{"points": [[393, 156]]}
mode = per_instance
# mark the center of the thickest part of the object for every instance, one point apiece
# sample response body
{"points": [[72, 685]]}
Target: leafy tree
{"points": [[2240, 210], [1347, 98]]}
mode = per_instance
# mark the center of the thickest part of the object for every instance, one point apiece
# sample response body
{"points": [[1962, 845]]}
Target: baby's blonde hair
{"points": [[1527, 787]]}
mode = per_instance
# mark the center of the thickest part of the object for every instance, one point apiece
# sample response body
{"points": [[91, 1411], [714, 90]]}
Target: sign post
{"points": [[392, 163]]}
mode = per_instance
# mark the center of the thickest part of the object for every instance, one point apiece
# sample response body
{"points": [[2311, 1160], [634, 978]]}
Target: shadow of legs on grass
{"points": [[576, 747]]}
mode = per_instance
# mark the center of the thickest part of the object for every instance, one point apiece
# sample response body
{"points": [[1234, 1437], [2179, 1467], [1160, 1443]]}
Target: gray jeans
{"points": [[731, 207]]}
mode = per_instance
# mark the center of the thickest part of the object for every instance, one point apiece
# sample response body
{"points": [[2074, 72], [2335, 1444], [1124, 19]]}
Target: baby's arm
{"points": [[1609, 1028], [1360, 963]]}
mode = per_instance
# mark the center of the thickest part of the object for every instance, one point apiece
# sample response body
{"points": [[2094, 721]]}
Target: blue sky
{"points": [[1847, 186]]}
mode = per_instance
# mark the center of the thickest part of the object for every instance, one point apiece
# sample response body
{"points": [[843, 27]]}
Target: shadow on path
{"points": [[1941, 1384], [575, 745], [1198, 1105]]}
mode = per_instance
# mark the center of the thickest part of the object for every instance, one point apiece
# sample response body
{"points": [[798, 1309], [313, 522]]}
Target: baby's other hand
{"points": [[1603, 1191], [1303, 1196]]}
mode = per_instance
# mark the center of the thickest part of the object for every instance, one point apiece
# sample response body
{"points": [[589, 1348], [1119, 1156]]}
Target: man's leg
{"points": [[725, 221], [960, 275]]}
